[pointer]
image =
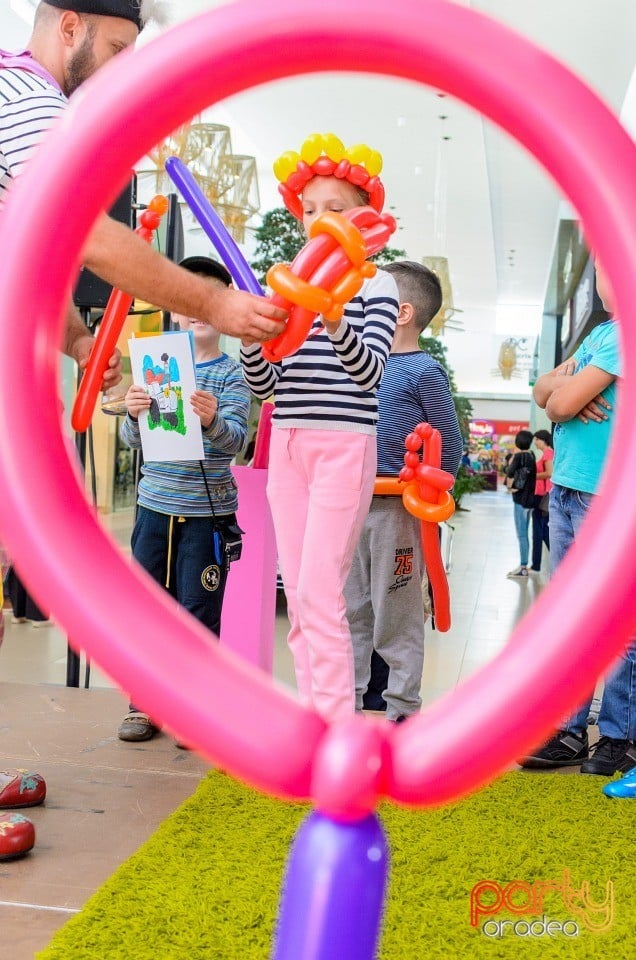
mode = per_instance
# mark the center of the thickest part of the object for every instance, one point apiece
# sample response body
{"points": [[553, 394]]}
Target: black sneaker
{"points": [[374, 701], [610, 756], [563, 750]]}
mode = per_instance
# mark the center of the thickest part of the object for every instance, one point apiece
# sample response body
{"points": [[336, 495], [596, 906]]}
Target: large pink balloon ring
{"points": [[128, 625]]}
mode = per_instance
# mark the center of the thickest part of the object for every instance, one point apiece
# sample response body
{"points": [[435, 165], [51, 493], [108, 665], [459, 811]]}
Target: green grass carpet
{"points": [[207, 883]]}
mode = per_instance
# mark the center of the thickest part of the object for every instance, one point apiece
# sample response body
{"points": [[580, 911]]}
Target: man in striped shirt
{"points": [[384, 597], [72, 39]]}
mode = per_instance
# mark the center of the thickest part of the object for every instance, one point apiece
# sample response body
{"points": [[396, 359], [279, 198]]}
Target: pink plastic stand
{"points": [[249, 607]]}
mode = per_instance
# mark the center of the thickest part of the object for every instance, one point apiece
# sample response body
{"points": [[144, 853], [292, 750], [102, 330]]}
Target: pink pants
{"points": [[319, 488]]}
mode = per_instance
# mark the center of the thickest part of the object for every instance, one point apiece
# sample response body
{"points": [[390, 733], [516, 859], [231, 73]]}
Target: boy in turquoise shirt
{"points": [[579, 397]]}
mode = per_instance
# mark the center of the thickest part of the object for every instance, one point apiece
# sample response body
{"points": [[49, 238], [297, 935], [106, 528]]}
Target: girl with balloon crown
{"points": [[322, 459]]}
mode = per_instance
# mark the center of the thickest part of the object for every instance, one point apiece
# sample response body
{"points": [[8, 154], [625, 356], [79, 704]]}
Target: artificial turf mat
{"points": [[207, 883]]}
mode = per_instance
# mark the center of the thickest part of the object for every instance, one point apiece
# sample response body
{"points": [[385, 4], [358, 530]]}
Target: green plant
{"points": [[278, 240], [387, 255], [466, 482]]}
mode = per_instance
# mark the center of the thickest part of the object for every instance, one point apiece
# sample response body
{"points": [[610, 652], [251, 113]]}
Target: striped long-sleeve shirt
{"points": [[29, 106], [331, 382], [415, 389], [178, 488]]}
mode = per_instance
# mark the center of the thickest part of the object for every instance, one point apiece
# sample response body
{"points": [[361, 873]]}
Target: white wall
{"points": [[494, 409]]}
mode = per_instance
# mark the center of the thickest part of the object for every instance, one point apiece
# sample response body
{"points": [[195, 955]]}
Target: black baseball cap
{"points": [[208, 267], [126, 9]]}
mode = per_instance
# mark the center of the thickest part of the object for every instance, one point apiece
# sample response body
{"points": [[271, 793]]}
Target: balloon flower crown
{"points": [[324, 155]]}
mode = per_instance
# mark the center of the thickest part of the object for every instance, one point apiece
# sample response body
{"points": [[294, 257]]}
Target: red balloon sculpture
{"points": [[424, 489], [326, 274], [117, 309]]}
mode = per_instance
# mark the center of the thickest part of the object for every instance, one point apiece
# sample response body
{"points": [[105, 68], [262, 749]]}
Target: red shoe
{"points": [[21, 788], [17, 836]]}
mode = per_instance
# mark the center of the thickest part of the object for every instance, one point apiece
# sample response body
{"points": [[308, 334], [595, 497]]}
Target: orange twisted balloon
{"points": [[326, 274]]}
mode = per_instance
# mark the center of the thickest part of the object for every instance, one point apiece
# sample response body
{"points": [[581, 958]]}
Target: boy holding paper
{"points": [[186, 534]]}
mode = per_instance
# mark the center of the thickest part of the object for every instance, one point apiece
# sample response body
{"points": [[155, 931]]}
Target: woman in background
{"points": [[540, 519]]}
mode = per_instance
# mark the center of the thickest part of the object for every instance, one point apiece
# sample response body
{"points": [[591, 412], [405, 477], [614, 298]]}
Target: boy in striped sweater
{"points": [[385, 603], [186, 509], [322, 461]]}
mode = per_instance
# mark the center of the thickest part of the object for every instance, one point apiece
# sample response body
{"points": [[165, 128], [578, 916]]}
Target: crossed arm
{"points": [[565, 395]]}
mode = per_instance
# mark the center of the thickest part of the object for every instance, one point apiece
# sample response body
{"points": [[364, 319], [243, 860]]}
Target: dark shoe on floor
{"points": [[378, 682], [374, 701], [610, 756], [563, 750], [17, 836], [136, 727], [20, 788]]}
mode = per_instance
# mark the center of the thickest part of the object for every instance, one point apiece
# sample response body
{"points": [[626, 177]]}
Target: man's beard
{"points": [[80, 67]]}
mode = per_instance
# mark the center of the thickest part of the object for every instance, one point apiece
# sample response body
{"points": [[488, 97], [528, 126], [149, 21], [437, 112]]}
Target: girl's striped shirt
{"points": [[331, 382]]}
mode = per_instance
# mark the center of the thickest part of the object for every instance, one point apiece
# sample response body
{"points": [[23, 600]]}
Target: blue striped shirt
{"points": [[331, 382], [415, 389], [29, 106], [178, 488]]}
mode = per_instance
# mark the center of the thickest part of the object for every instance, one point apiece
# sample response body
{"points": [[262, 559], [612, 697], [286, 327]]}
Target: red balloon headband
{"points": [[324, 155]]}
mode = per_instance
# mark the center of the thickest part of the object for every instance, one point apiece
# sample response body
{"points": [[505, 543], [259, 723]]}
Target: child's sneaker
{"points": [[610, 756], [520, 573], [564, 749]]}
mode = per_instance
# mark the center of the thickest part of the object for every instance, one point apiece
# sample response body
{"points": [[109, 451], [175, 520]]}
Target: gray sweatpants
{"points": [[385, 606]]}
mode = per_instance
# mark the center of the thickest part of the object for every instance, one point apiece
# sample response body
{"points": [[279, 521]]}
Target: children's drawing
{"points": [[164, 365], [163, 384]]}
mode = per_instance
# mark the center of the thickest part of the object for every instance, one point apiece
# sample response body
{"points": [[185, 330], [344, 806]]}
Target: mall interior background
{"points": [[522, 292]]}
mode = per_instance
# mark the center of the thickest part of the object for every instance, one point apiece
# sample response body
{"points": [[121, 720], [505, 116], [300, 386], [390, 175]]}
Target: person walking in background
{"points": [[23, 606], [579, 396], [385, 600], [521, 480], [186, 528], [540, 510], [322, 461]]}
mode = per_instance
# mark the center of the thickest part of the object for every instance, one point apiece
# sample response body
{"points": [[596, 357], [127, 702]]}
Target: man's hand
{"points": [[250, 318], [81, 351], [205, 406]]}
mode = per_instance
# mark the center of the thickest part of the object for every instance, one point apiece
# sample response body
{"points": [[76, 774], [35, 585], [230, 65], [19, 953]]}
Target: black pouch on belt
{"points": [[232, 541]]}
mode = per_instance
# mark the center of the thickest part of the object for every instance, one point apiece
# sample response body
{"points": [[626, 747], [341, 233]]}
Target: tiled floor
{"points": [[105, 797]]}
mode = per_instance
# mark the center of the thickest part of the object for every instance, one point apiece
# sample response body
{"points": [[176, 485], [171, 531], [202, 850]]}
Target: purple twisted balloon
{"points": [[213, 226]]}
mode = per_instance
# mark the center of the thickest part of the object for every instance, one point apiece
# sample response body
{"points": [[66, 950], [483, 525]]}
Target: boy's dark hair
{"points": [[523, 440], [418, 286], [544, 435], [207, 267]]}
